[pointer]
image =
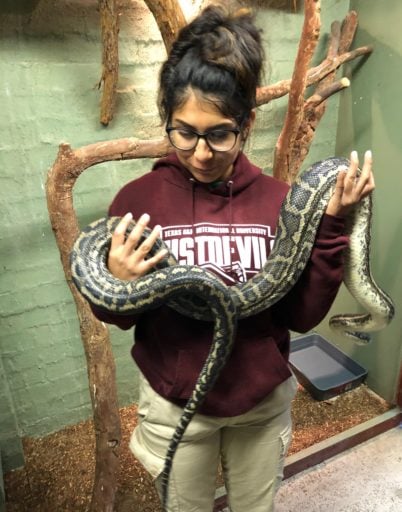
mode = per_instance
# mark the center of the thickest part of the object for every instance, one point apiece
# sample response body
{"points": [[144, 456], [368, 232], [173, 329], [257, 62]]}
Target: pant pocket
{"points": [[150, 438], [285, 439]]}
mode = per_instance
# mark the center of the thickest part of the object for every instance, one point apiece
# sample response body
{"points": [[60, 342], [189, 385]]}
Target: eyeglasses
{"points": [[220, 139]]}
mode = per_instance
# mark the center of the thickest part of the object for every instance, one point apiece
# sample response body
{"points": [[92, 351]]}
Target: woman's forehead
{"points": [[201, 112]]}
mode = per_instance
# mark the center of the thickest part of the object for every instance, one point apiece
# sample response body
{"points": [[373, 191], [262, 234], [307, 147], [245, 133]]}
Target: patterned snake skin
{"points": [[195, 292]]}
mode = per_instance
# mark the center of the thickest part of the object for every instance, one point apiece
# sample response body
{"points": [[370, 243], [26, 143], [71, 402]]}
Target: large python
{"points": [[198, 293]]}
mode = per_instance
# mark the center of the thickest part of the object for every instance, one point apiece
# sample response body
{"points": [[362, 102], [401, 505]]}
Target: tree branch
{"points": [[348, 31], [322, 94], [60, 181], [314, 107], [271, 92], [169, 17], [294, 115], [110, 58]]}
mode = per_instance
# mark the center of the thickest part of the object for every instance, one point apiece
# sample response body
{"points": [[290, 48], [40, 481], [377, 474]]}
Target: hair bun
{"points": [[219, 52], [228, 39]]}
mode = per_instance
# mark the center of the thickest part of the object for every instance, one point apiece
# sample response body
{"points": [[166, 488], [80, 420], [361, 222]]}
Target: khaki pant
{"points": [[251, 449]]}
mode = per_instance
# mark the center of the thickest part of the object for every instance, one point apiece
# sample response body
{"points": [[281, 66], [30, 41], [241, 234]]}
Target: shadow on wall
{"points": [[18, 6], [381, 93], [384, 69], [371, 118]]}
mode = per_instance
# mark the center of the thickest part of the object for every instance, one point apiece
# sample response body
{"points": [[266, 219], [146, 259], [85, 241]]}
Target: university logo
{"points": [[235, 252]]}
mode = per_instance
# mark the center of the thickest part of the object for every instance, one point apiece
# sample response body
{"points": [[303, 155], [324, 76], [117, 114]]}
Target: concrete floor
{"points": [[367, 478]]}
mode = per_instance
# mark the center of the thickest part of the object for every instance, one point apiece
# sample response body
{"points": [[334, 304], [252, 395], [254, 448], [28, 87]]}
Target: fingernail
{"points": [[145, 217], [128, 216], [354, 155], [368, 154]]}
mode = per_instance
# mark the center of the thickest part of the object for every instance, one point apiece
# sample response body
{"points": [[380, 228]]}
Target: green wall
{"points": [[370, 117], [50, 55]]}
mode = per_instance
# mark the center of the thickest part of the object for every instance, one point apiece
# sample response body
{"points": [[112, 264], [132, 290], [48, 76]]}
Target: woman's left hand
{"points": [[350, 188]]}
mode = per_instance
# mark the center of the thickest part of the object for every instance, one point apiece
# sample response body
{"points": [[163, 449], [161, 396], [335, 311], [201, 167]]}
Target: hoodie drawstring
{"points": [[193, 185], [229, 184]]}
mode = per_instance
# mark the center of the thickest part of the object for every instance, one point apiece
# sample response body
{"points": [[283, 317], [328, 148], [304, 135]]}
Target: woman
{"points": [[215, 209]]}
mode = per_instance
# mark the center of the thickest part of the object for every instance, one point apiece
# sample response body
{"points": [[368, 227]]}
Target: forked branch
{"points": [[303, 116], [61, 179], [314, 107], [294, 115]]}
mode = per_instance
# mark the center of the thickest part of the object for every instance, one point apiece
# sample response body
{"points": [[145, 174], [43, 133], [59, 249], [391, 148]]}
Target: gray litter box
{"points": [[322, 369]]}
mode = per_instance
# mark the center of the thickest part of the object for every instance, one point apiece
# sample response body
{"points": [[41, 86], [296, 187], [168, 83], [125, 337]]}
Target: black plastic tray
{"points": [[322, 369]]}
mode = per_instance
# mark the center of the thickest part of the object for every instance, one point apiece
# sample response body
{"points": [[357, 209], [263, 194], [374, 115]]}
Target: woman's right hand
{"points": [[128, 259]]}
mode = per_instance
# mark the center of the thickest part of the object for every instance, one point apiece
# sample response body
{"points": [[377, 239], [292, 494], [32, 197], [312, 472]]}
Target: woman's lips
{"points": [[203, 169]]}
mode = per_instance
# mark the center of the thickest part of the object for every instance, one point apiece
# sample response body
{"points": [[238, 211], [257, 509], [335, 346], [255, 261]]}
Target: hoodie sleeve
{"points": [[310, 299], [124, 322]]}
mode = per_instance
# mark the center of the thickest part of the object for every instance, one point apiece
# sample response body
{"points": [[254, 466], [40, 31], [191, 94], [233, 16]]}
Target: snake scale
{"points": [[198, 293]]}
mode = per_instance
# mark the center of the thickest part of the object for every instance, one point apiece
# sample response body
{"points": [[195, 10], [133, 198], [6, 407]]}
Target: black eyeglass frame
{"points": [[204, 135]]}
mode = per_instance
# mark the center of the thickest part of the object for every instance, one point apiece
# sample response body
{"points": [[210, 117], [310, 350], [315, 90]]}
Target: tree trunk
{"points": [[169, 17], [294, 115]]}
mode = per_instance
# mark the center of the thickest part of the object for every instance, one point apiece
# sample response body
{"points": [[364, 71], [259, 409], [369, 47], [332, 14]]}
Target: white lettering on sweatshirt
{"points": [[239, 249]]}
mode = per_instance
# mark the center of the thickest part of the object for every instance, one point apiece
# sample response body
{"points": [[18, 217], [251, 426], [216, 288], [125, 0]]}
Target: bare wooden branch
{"points": [[271, 92], [61, 178], [323, 94], [328, 65], [315, 106], [294, 115], [169, 17], [349, 27], [334, 40], [311, 118], [110, 58], [119, 149], [332, 52]]}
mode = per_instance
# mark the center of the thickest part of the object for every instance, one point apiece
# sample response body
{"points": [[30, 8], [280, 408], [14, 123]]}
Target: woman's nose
{"points": [[202, 151]]}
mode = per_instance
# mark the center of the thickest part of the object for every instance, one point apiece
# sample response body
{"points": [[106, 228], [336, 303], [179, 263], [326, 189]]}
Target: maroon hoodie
{"points": [[228, 228]]}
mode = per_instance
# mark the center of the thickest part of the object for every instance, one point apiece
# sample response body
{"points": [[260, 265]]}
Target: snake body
{"points": [[195, 292], [360, 283]]}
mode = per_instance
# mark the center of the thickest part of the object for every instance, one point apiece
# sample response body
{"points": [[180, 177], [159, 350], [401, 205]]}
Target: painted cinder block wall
{"points": [[50, 54]]}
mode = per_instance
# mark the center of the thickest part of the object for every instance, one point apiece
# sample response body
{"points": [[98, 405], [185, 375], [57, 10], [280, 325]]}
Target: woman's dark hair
{"points": [[218, 55]]}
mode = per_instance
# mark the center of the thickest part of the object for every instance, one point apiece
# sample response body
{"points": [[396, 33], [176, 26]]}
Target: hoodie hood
{"points": [[244, 174]]}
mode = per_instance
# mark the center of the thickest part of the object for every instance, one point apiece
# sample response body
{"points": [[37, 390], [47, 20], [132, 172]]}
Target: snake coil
{"points": [[198, 293]]}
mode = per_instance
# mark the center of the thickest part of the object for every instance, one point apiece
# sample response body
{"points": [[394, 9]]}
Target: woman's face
{"points": [[204, 164]]}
